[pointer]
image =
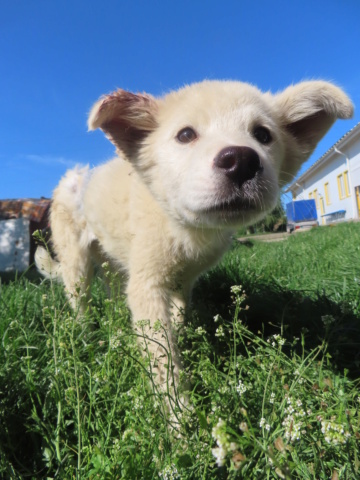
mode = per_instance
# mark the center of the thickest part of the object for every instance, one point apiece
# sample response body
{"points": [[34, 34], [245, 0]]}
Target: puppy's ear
{"points": [[307, 111], [125, 118]]}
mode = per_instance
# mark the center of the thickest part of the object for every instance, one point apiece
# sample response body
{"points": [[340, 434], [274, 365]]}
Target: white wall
{"points": [[354, 154], [14, 245]]}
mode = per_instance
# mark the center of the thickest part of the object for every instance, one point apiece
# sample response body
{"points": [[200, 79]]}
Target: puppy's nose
{"points": [[238, 163]]}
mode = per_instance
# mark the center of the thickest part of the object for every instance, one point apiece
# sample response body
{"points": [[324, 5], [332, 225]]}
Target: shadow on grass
{"points": [[292, 313]]}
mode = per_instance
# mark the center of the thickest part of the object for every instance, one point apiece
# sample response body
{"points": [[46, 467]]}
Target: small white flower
{"points": [[115, 340], [223, 443], [169, 473], [334, 433], [327, 320], [272, 398], [200, 331], [220, 455], [241, 388], [220, 332], [276, 340], [236, 289]]}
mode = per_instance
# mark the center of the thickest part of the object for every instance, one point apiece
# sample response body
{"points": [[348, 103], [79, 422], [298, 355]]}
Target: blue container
{"points": [[301, 211]]}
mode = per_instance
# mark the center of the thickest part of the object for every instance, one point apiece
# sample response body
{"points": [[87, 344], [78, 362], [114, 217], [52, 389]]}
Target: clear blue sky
{"points": [[58, 57]]}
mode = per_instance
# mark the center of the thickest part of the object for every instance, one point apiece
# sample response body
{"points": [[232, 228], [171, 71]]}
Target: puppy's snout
{"points": [[238, 163]]}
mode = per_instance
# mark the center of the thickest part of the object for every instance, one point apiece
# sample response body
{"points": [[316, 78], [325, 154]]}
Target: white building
{"points": [[333, 181]]}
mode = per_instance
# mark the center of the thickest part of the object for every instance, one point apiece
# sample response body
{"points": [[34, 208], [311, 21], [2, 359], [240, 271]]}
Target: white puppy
{"points": [[192, 167]]}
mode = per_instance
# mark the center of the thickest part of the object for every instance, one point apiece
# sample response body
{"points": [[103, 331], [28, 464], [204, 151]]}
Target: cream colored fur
{"points": [[163, 211]]}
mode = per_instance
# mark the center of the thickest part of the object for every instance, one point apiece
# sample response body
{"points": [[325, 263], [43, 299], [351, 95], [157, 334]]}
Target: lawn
{"points": [[271, 353]]}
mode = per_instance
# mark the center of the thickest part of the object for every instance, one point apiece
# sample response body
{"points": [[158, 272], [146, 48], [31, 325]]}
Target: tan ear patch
{"points": [[125, 118]]}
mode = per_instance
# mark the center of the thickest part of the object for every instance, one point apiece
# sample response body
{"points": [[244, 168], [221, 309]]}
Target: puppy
{"points": [[192, 167]]}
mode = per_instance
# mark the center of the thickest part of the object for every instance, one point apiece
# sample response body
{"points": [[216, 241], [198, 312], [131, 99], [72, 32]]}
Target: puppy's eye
{"points": [[186, 135], [262, 135]]}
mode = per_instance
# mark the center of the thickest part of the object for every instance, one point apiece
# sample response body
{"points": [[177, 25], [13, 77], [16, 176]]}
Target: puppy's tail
{"points": [[46, 265]]}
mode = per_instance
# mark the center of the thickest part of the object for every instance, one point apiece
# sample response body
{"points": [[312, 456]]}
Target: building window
{"points": [[322, 206], [341, 186], [346, 183], [357, 193], [310, 194], [316, 198], [327, 193]]}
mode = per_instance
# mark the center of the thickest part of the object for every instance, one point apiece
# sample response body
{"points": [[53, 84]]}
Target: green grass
{"points": [[273, 368]]}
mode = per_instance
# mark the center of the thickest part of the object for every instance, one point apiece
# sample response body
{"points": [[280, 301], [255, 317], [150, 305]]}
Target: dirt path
{"points": [[270, 237]]}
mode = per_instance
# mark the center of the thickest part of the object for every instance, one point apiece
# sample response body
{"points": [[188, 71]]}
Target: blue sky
{"points": [[57, 58]]}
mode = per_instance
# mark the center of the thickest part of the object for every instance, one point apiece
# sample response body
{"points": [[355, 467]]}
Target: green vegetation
{"points": [[271, 352], [275, 221]]}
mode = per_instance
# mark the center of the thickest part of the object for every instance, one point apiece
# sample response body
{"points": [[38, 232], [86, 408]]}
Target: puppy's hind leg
{"points": [[76, 267], [77, 272], [72, 242]]}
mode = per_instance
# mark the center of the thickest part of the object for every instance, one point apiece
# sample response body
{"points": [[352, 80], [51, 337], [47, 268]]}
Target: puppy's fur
{"points": [[191, 168]]}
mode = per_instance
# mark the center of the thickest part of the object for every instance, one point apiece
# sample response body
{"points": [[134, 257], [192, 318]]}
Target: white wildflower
{"points": [[292, 428], [224, 445], [241, 388], [115, 340], [236, 289], [220, 455], [264, 424], [292, 421], [169, 473], [334, 432], [220, 332], [200, 331], [327, 320], [276, 340]]}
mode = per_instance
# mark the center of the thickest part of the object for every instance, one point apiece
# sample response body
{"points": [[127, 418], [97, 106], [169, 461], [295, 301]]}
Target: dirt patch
{"points": [[271, 237]]}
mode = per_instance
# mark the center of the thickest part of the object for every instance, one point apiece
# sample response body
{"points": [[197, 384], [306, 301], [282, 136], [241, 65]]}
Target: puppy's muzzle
{"points": [[239, 164]]}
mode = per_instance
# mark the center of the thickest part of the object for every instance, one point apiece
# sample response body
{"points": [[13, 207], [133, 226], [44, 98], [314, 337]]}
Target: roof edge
{"points": [[326, 156]]}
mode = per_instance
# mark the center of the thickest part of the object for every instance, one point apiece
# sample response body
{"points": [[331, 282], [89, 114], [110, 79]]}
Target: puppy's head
{"points": [[215, 153]]}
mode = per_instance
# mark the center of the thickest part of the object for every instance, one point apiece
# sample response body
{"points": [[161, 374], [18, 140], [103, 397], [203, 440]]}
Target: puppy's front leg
{"points": [[151, 302]]}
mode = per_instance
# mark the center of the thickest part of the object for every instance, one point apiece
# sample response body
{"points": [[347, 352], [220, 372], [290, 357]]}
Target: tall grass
{"points": [[273, 368]]}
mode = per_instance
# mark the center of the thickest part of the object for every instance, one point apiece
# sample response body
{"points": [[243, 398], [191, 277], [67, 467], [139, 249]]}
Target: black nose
{"points": [[238, 163]]}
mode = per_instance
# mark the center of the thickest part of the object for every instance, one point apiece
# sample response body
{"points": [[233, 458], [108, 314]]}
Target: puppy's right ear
{"points": [[125, 118]]}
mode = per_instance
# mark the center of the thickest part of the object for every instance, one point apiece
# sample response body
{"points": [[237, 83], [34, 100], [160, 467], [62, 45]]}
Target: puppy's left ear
{"points": [[126, 119], [307, 111]]}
